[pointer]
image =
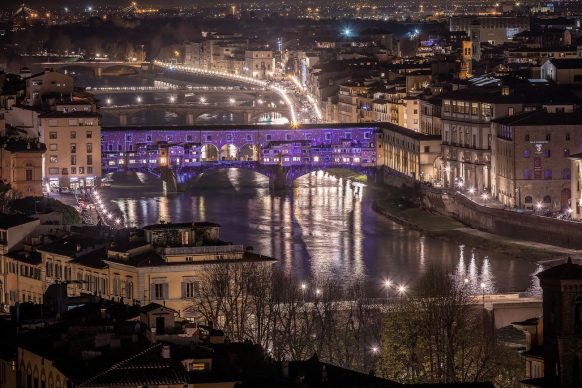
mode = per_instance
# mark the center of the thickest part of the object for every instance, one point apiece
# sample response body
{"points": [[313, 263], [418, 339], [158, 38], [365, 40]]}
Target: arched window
{"points": [[566, 152], [526, 153], [528, 199], [547, 199], [566, 173], [548, 173], [547, 153]]}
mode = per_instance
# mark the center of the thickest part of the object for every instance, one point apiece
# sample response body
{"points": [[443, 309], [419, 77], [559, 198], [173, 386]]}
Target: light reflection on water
{"points": [[323, 227]]}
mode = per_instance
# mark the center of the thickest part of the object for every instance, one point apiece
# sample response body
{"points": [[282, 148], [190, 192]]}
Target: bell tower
{"points": [[562, 309]]}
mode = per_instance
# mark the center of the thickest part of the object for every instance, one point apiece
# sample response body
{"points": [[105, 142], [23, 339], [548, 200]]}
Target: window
{"points": [[89, 160], [547, 199], [159, 291], [526, 153], [566, 174], [548, 173], [89, 134], [28, 175], [426, 149], [52, 147], [526, 137], [53, 171], [526, 174], [73, 160], [81, 170], [89, 148], [116, 285], [189, 138], [128, 137], [547, 153], [148, 137], [53, 159], [73, 148], [548, 137], [89, 170], [73, 170], [52, 135], [73, 134], [269, 137], [566, 152], [189, 288], [567, 137]]}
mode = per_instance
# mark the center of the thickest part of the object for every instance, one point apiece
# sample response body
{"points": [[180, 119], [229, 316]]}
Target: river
{"points": [[324, 227]]}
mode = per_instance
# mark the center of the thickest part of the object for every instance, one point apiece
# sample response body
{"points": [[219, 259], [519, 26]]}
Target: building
{"points": [[491, 29], [72, 134], [161, 263], [45, 84], [411, 153], [259, 63], [14, 230], [531, 164], [562, 326], [21, 166], [562, 71], [466, 117]]}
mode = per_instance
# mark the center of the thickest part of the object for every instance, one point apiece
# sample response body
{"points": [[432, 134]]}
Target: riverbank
{"points": [[397, 206]]}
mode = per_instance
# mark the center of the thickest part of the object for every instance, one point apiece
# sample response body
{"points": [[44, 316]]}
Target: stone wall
{"points": [[504, 222]]}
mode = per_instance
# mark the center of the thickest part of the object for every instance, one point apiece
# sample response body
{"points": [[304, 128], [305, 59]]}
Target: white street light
{"points": [[203, 99]]}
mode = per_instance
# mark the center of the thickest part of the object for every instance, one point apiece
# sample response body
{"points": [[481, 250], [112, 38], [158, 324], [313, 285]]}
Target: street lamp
{"points": [[375, 349], [387, 285], [539, 207], [172, 99], [483, 292], [484, 196], [139, 99], [317, 291], [303, 288], [401, 289], [203, 99]]}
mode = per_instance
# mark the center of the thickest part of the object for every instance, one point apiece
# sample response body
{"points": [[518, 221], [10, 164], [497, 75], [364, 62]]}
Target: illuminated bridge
{"points": [[282, 153]]}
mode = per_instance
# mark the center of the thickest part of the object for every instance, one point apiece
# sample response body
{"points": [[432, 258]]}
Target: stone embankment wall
{"points": [[507, 223]]}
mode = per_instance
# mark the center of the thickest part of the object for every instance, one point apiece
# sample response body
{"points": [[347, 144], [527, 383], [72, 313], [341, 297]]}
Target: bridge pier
{"points": [[190, 118], [98, 71], [169, 179], [279, 180], [248, 116], [122, 120]]}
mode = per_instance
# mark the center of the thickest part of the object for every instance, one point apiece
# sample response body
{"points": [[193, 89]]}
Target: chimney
{"points": [[166, 352]]}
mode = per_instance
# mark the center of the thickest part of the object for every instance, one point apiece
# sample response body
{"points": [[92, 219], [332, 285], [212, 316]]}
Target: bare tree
{"points": [[439, 335]]}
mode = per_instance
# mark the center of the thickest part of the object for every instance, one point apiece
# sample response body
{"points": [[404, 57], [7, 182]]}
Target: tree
{"points": [[439, 335]]}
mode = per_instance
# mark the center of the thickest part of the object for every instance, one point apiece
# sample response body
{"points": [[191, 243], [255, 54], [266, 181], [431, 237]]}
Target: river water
{"points": [[324, 227]]}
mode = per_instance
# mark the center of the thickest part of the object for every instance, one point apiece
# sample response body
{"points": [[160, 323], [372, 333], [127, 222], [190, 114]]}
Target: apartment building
{"points": [[72, 134]]}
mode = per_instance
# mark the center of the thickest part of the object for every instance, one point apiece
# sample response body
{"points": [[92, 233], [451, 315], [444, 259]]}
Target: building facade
{"points": [[530, 163], [410, 153], [72, 135]]}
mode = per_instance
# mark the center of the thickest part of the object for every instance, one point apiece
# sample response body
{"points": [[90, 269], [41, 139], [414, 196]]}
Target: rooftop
{"points": [[566, 271], [542, 118], [8, 221]]}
